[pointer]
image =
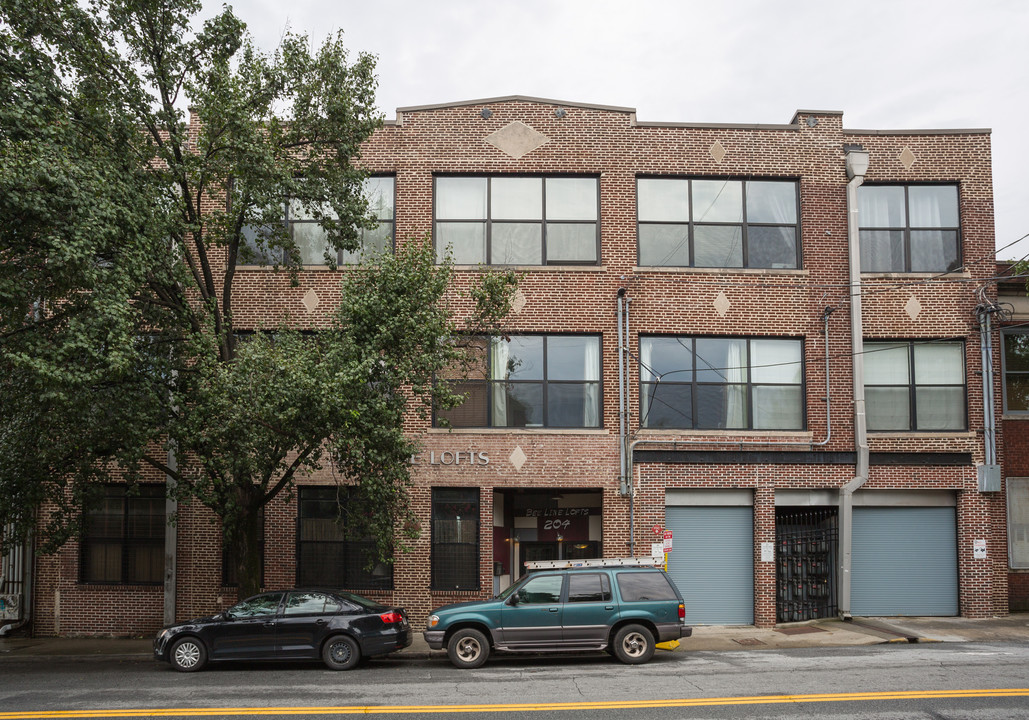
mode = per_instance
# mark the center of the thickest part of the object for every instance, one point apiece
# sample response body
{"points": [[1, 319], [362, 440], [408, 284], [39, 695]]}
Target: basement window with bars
{"points": [[455, 539], [326, 553], [123, 537]]}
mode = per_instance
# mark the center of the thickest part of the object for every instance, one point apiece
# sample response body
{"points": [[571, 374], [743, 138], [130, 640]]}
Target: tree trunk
{"points": [[245, 542]]}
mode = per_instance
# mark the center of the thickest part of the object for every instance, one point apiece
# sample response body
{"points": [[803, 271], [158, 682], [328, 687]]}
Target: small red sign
{"points": [[657, 529]]}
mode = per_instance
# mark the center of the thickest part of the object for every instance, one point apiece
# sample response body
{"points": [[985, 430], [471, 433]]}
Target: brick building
{"points": [[680, 358], [1014, 322]]}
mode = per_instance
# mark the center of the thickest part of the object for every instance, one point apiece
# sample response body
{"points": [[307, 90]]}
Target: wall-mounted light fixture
{"points": [[486, 113], [560, 113]]}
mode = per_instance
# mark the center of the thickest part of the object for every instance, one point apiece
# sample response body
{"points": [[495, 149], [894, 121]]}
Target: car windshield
{"points": [[506, 593]]}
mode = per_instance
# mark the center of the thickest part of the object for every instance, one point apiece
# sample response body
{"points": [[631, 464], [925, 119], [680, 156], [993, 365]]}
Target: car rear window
{"points": [[638, 586]]}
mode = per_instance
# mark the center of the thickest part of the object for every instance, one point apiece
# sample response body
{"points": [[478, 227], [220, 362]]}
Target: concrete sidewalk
{"points": [[816, 633]]}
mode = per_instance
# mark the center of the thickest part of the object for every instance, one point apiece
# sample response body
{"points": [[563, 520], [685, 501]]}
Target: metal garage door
{"points": [[904, 561], [712, 562]]}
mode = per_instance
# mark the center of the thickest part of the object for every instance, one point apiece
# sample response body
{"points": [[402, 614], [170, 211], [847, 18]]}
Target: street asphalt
{"points": [[816, 633]]}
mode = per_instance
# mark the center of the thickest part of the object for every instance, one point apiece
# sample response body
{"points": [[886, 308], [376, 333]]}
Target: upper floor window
{"points": [[717, 223], [530, 381], [514, 220], [915, 385], [311, 239], [713, 383], [909, 228], [123, 537], [1016, 371]]}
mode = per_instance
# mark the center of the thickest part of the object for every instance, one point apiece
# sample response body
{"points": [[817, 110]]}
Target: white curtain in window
{"points": [[498, 372], [736, 391], [591, 374]]}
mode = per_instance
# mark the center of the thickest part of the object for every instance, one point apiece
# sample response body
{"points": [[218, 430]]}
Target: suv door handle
{"points": [[609, 607], [553, 609]]}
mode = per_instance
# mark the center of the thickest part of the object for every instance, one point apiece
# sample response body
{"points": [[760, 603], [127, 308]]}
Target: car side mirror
{"points": [[515, 599]]}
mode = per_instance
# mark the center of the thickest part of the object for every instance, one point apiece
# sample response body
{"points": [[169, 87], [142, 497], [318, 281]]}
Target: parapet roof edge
{"points": [[945, 131], [515, 98], [715, 126], [796, 115]]}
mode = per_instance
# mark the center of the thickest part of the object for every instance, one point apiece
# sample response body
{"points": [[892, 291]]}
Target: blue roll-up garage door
{"points": [[712, 562], [904, 561]]}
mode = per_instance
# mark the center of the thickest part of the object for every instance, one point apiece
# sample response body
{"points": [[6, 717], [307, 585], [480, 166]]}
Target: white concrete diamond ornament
{"points": [[518, 302], [718, 152], [913, 308], [517, 458], [907, 158], [311, 300], [517, 139], [721, 304]]}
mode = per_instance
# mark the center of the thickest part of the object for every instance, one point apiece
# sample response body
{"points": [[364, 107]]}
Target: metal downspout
{"points": [[621, 398], [989, 426], [626, 451], [857, 166]]}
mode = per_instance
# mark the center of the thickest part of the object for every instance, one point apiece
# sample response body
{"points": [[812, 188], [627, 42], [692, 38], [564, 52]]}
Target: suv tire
{"points": [[468, 648], [633, 644]]}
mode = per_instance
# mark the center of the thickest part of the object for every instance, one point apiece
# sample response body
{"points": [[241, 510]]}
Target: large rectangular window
{"points": [[311, 239], [1018, 522], [1016, 371], [326, 554], [915, 385], [123, 537], [707, 383], [455, 538], [529, 381], [909, 228], [717, 223], [230, 557], [516, 220]]}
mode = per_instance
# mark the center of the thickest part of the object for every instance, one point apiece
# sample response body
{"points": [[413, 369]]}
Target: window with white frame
{"points": [[311, 239], [717, 223], [712, 383], [517, 220], [1016, 370], [528, 381], [909, 228], [1018, 522], [916, 385]]}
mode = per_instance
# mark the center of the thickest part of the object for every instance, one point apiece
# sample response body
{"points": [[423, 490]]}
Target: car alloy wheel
{"points": [[188, 655], [634, 644], [468, 648]]}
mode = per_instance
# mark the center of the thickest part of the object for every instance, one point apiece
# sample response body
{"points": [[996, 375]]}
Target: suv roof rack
{"points": [[655, 561]]}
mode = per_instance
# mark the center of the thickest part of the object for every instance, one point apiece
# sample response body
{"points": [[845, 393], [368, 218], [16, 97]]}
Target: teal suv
{"points": [[623, 610]]}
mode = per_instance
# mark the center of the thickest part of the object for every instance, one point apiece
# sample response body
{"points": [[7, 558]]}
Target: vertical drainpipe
{"points": [[622, 487], [171, 506], [857, 166]]}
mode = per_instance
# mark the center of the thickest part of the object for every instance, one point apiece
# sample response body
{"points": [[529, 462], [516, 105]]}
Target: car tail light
{"points": [[392, 617], [682, 611]]}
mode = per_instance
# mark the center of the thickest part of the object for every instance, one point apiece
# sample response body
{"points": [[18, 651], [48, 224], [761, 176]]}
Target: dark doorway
{"points": [[806, 547]]}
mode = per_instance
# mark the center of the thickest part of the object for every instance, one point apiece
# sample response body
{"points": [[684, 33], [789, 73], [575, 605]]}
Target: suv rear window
{"points": [[637, 586]]}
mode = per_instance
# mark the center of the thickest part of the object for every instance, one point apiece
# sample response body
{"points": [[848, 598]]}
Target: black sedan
{"points": [[339, 627]]}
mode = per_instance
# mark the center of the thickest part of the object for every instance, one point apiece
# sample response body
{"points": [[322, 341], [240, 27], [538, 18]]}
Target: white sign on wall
{"points": [[979, 549]]}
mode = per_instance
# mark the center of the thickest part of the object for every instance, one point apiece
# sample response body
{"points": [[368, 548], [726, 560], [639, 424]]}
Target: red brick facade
{"points": [[609, 143]]}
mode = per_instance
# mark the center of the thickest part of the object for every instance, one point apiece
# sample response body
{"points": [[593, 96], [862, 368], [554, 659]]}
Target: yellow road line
{"points": [[523, 707]]}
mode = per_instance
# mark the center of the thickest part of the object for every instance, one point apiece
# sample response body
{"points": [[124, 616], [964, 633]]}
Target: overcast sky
{"points": [[887, 64]]}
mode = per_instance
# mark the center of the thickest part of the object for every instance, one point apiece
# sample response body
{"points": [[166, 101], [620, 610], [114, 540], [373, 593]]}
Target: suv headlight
{"points": [[433, 620]]}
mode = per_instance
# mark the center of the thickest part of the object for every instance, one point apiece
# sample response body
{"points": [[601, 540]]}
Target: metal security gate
{"points": [[806, 547], [905, 561], [712, 562]]}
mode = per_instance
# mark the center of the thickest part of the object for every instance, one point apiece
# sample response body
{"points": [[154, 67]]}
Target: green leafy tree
{"points": [[123, 227]]}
